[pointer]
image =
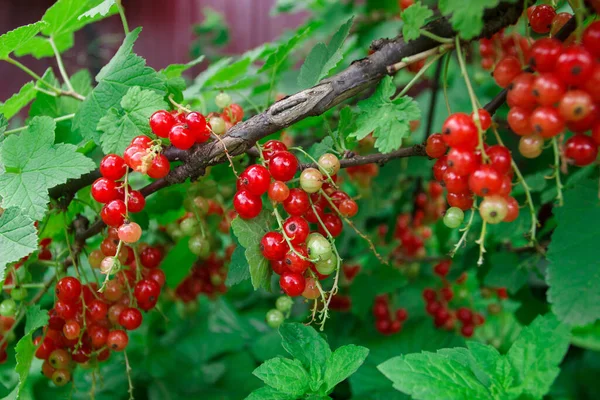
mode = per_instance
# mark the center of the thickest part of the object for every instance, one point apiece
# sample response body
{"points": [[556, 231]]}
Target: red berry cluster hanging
{"points": [[310, 248], [440, 304], [563, 93], [543, 19], [206, 276], [465, 173], [501, 46], [386, 322], [86, 324]]}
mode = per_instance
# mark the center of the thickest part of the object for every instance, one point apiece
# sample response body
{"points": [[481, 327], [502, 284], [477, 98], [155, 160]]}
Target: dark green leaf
{"points": [[283, 375], [18, 101], [414, 18], [343, 362], [179, 261], [506, 271], [18, 237]]}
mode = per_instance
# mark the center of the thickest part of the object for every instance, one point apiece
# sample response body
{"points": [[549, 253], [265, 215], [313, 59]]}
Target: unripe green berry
{"points": [[454, 217], [223, 100], [189, 226], [284, 304], [327, 267], [311, 180], [18, 293], [319, 248], [199, 246], [275, 318], [217, 125], [8, 308]]}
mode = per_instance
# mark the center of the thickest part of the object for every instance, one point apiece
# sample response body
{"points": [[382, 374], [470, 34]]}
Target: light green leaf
{"points": [[388, 120], [25, 349], [175, 70], [18, 101], [496, 369], [58, 106], [343, 363], [414, 18], [323, 58], [427, 376], [305, 344], [322, 147], [249, 233], [18, 237], [467, 19], [103, 9], [65, 16], [283, 375], [280, 54], [120, 126], [506, 271], [573, 272], [14, 39], [3, 125], [238, 267], [268, 393], [124, 71], [536, 354], [40, 47], [587, 337], [34, 166]]}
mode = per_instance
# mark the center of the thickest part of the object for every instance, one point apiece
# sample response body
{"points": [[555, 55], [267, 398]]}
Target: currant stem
{"points": [[215, 136], [445, 82], [419, 74], [472, 96], [329, 178], [59, 119], [391, 69], [559, 185], [123, 21], [433, 36], [32, 74], [465, 231], [481, 243], [179, 106], [61, 66], [128, 373]]}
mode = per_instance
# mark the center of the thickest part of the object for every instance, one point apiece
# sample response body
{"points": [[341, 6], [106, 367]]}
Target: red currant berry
{"points": [[456, 183], [198, 126], [130, 232], [278, 191], [544, 54], [439, 168], [463, 162], [540, 18], [68, 289], [467, 330], [130, 318], [520, 92], [233, 113], [297, 229], [442, 268], [518, 120], [348, 208], [135, 201], [273, 246], [113, 213], [547, 122], [581, 149], [97, 310], [246, 204], [574, 66], [401, 314], [591, 38], [292, 283], [297, 261], [135, 158], [142, 141], [459, 131], [161, 123], [485, 119], [181, 137], [117, 340], [255, 179], [512, 209], [506, 70], [333, 225], [151, 257], [146, 291], [464, 315], [159, 168], [272, 147], [559, 21], [104, 190], [297, 203], [112, 167], [575, 105], [436, 147], [548, 89], [485, 181], [283, 166]]}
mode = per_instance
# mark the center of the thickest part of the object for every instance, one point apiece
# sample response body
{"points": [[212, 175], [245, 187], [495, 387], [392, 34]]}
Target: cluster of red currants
{"points": [[383, 317], [501, 45], [206, 276], [544, 19], [464, 172], [87, 325], [563, 93], [438, 304], [296, 250]]}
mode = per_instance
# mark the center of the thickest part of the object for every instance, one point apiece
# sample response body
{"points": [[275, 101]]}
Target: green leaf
{"points": [[467, 19], [414, 18], [323, 58], [14, 39], [493, 370], [18, 237], [3, 125], [536, 354], [305, 344], [280, 54], [238, 267], [34, 166], [120, 126], [427, 376], [268, 393], [180, 260], [67, 16], [249, 233], [40, 47], [103, 9], [343, 363], [322, 147], [25, 349], [283, 375], [573, 272], [175, 70], [18, 101], [536, 183], [506, 271], [388, 120], [587, 337], [124, 71]]}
